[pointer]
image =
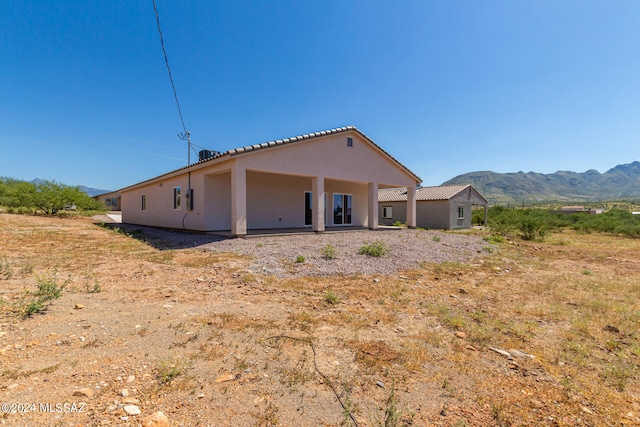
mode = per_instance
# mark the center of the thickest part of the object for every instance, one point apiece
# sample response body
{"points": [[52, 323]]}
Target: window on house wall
{"points": [[176, 198], [387, 212], [308, 208], [349, 142], [143, 200], [460, 212], [342, 204]]}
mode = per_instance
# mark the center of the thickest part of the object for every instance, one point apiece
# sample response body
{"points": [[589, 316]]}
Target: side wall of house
{"points": [[433, 214], [159, 204], [398, 212], [429, 214], [217, 201], [466, 200]]}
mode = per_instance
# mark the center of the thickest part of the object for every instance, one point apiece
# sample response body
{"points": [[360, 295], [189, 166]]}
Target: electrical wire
{"points": [[166, 61]]}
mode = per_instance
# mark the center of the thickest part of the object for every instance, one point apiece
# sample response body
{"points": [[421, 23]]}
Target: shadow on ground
{"points": [[163, 238]]}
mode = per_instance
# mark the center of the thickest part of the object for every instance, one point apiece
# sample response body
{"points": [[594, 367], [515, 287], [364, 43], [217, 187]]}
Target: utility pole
{"points": [[187, 138]]}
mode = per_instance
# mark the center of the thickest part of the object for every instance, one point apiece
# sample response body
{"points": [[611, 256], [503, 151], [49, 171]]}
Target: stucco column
{"points": [[238, 200], [317, 203], [411, 207], [373, 206], [485, 215]]}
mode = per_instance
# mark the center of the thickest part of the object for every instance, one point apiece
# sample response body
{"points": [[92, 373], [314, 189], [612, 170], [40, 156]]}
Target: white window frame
{"points": [[460, 211], [176, 197], [333, 209], [387, 212]]}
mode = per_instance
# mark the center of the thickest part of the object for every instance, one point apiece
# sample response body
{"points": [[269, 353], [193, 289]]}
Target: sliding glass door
{"points": [[342, 204]]}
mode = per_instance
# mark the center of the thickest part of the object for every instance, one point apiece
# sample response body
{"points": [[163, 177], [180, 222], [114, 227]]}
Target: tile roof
{"points": [[277, 142], [443, 192]]}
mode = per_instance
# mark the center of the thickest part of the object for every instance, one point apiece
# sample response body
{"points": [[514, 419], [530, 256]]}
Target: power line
{"points": [[166, 61]]}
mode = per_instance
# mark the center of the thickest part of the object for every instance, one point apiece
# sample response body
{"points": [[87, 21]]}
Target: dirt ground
{"points": [[536, 334]]}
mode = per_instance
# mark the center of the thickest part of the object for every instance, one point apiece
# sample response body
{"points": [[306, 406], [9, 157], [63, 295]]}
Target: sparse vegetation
{"points": [[94, 288], [535, 224], [329, 252], [179, 324], [169, 370], [38, 302], [300, 259], [331, 297], [375, 249]]}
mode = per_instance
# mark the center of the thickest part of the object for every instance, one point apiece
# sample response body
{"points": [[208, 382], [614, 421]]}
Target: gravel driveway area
{"points": [[276, 255]]}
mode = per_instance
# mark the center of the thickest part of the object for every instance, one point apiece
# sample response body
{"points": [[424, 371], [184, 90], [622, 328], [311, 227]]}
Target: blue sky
{"points": [[446, 87]]}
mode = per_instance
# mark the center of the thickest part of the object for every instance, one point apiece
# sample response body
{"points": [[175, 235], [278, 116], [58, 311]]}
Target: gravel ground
{"points": [[276, 255]]}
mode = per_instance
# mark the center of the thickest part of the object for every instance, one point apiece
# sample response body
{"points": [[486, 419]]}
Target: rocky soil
{"points": [[155, 327]]}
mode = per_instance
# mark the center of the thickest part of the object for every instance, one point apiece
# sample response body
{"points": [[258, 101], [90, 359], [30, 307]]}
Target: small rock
{"points": [[131, 378], [132, 410], [130, 401], [380, 384], [538, 404], [587, 410], [226, 377], [200, 396], [611, 328], [463, 291], [376, 280], [83, 392], [12, 386], [501, 352], [461, 335], [79, 306], [157, 419], [124, 392], [521, 354], [470, 347]]}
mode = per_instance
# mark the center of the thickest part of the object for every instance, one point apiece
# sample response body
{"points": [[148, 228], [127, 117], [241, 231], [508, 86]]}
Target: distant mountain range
{"points": [[90, 191], [620, 182]]}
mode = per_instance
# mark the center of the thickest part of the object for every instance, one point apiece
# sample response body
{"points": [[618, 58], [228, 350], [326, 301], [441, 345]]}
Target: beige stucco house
{"points": [[444, 207], [110, 200], [275, 185]]}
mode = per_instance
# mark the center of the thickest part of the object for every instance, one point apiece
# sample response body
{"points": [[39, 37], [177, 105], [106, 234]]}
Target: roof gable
{"points": [[219, 157], [443, 192]]}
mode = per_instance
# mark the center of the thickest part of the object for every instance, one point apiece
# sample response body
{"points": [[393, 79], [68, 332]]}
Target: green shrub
{"points": [[329, 252], [375, 249], [49, 197], [532, 224], [300, 259], [615, 222], [48, 290], [331, 297]]}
